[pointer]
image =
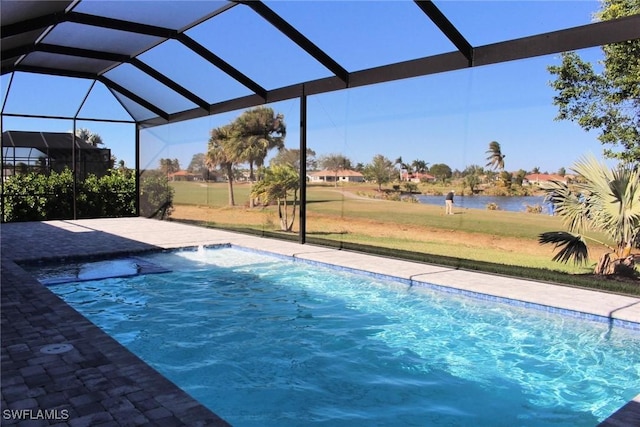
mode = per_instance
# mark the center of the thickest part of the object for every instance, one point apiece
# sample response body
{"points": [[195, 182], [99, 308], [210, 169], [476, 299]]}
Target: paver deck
{"points": [[99, 382]]}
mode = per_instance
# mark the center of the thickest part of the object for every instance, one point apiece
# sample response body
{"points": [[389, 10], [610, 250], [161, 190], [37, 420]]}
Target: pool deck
{"points": [[100, 383]]}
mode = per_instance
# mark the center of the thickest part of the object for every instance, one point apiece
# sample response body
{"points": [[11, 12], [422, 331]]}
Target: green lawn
{"points": [[203, 194], [331, 201], [500, 223]]}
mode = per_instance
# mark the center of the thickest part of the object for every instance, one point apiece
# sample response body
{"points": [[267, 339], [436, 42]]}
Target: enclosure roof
{"points": [[43, 141], [167, 61]]}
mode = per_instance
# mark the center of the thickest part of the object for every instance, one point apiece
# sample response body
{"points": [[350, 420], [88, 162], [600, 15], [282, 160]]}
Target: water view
{"points": [[504, 203]]}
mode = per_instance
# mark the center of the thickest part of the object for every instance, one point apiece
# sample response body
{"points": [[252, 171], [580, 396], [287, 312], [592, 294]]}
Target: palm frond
{"points": [[624, 210], [609, 203], [576, 212], [571, 246], [495, 159]]}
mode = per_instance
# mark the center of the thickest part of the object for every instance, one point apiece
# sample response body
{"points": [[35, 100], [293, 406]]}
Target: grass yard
{"points": [[343, 202], [338, 216]]}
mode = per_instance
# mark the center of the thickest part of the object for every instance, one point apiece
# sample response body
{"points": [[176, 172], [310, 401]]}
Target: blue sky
{"points": [[445, 118]]}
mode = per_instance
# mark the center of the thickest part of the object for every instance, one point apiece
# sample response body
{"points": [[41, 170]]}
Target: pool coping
{"points": [[45, 319]]}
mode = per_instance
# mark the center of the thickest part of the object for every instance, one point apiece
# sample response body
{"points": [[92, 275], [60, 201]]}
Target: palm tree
{"points": [[223, 152], [89, 137], [83, 134], [259, 131], [277, 182], [420, 166], [400, 163], [402, 166], [95, 140], [495, 158], [605, 200]]}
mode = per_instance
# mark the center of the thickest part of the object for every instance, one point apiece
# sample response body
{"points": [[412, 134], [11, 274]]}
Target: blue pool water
{"points": [[264, 341]]}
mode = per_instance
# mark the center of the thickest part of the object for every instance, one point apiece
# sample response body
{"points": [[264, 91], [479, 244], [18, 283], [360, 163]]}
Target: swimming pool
{"points": [[263, 340]]}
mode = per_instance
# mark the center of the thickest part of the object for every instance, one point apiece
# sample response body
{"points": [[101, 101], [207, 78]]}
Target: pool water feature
{"points": [[85, 271], [264, 340]]}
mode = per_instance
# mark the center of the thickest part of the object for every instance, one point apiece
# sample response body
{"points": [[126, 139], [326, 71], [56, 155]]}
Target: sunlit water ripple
{"points": [[264, 341]]}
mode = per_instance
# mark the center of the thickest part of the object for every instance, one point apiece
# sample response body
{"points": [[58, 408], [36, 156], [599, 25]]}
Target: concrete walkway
{"points": [[99, 382]]}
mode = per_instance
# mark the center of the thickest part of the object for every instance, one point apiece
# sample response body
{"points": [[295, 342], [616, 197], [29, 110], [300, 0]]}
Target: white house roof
{"points": [[341, 172]]}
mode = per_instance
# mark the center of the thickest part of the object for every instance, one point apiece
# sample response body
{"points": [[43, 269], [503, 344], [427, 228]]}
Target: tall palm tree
{"points": [[420, 166], [223, 152], [495, 158], [604, 200], [400, 164], [259, 130]]}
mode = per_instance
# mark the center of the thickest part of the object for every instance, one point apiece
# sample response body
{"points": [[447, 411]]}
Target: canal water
{"points": [[505, 203]]}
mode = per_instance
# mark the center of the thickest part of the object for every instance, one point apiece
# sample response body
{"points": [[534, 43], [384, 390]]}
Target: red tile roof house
{"points": [[343, 175], [182, 176], [539, 178], [418, 177]]}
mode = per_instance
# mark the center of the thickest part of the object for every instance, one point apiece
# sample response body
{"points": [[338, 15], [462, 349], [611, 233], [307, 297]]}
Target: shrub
{"points": [[410, 199], [395, 197], [156, 195], [411, 187], [112, 195], [118, 193], [39, 197]]}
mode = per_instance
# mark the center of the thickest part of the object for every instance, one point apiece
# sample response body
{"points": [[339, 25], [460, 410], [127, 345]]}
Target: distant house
{"points": [[539, 178], [182, 176], [418, 177], [343, 175]]}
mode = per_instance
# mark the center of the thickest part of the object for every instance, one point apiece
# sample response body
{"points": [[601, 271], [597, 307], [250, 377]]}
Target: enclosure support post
{"points": [[303, 166], [137, 208], [73, 154], [3, 167], [74, 169], [2, 178]]}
